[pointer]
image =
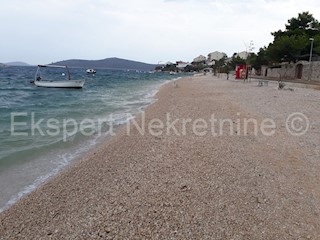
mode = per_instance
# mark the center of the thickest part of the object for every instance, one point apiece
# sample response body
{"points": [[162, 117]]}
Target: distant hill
{"points": [[114, 63], [17, 64]]}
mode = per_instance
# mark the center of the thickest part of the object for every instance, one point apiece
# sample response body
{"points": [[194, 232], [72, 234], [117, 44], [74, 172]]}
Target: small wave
{"points": [[27, 88], [175, 79], [60, 161], [31, 187], [122, 118]]}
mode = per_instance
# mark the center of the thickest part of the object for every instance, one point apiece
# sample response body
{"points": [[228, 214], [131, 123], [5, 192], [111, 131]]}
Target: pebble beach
{"points": [[210, 159]]}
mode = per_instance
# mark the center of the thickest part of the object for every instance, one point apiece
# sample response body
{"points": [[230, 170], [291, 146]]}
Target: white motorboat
{"points": [[91, 71], [56, 83]]}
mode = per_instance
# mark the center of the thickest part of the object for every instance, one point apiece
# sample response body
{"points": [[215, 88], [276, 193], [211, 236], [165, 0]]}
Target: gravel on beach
{"points": [[210, 159]]}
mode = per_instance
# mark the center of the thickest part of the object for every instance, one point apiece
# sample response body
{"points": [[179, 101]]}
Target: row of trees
{"points": [[290, 45], [222, 65]]}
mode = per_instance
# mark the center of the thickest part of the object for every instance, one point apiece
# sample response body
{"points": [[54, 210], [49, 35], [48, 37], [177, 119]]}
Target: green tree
{"points": [[236, 60], [288, 48], [316, 47], [290, 44], [259, 59], [305, 23], [218, 67]]}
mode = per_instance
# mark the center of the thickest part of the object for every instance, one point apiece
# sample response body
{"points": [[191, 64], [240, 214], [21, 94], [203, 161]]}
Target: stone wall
{"points": [[315, 71], [299, 70]]}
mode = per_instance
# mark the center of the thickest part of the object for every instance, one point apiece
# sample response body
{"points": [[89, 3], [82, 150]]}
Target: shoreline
{"points": [[90, 145], [184, 185]]}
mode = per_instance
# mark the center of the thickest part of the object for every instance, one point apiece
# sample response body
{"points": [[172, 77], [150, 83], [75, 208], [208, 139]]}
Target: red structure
{"points": [[241, 71]]}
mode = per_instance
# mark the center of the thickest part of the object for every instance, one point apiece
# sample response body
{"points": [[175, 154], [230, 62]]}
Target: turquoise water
{"points": [[40, 127]]}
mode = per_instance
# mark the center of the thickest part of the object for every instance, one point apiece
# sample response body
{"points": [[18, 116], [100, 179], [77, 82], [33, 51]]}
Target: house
{"points": [[216, 56], [200, 58], [211, 63], [243, 55], [181, 65], [168, 63]]}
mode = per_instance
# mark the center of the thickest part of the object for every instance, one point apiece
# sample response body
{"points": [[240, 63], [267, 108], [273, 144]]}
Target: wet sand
{"points": [[196, 172]]}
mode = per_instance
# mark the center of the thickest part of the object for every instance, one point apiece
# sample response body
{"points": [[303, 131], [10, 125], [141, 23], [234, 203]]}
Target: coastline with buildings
{"points": [[218, 62]]}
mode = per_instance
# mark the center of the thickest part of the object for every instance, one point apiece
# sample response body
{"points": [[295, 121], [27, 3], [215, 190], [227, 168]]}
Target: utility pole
{"points": [[310, 58]]}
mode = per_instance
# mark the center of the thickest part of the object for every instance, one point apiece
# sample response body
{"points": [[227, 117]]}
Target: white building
{"points": [[182, 65], [200, 58], [243, 55], [216, 56]]}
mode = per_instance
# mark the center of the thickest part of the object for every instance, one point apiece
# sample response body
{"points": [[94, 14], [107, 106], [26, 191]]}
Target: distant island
{"points": [[17, 64], [112, 63]]}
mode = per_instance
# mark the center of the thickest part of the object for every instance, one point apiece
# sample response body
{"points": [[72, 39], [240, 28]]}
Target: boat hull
{"points": [[91, 71], [60, 84]]}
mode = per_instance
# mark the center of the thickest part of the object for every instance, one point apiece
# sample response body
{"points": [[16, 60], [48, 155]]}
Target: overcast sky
{"points": [[45, 31]]}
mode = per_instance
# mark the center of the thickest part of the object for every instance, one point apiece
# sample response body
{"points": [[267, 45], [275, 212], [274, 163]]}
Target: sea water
{"points": [[43, 129]]}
